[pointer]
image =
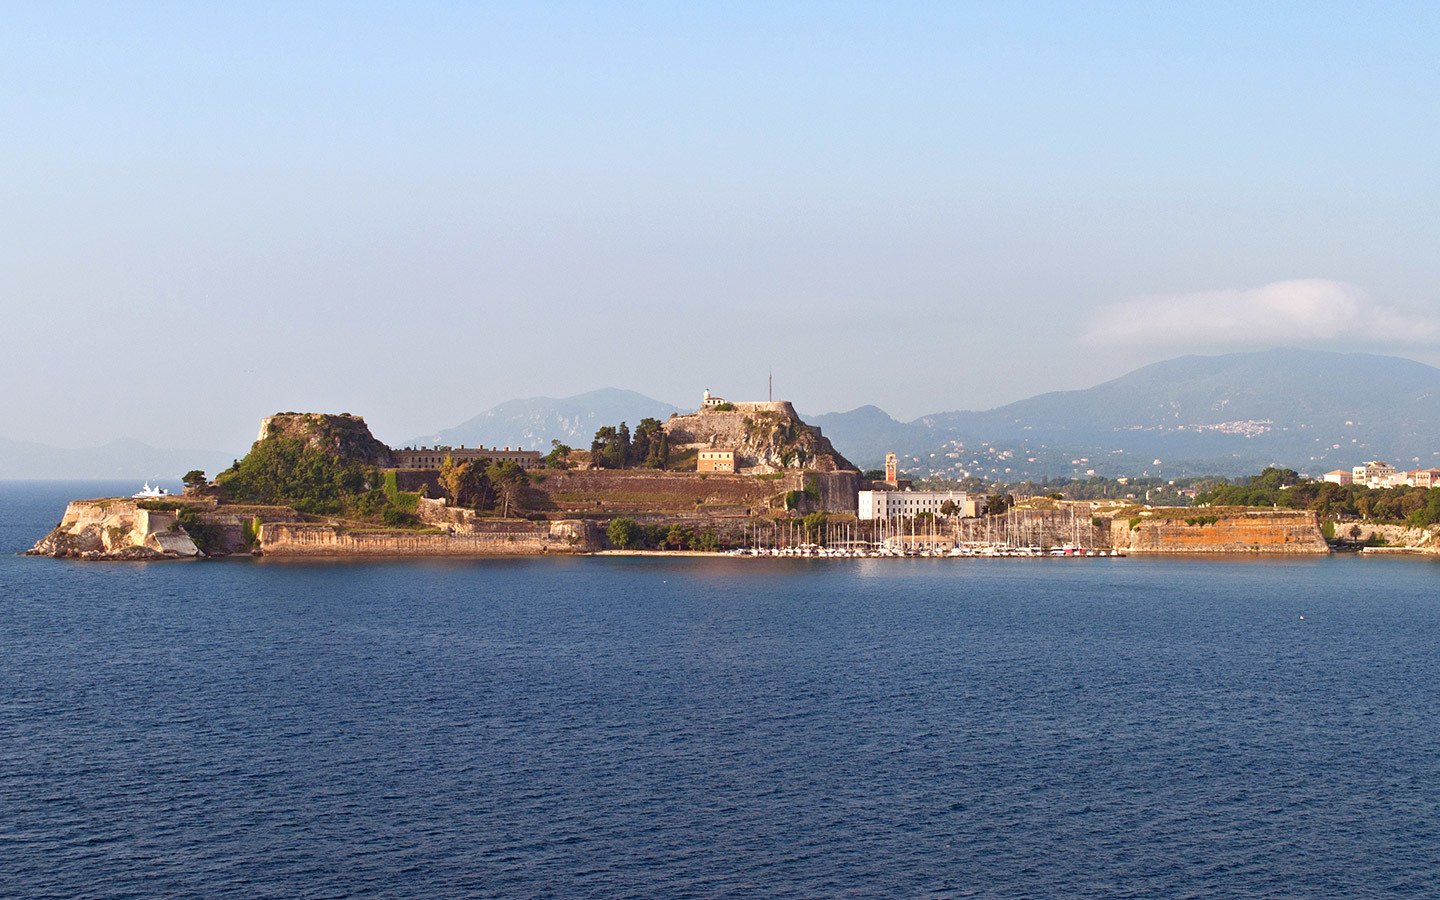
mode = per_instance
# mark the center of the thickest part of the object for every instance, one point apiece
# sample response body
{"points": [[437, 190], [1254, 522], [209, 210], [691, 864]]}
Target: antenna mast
{"points": [[771, 393]]}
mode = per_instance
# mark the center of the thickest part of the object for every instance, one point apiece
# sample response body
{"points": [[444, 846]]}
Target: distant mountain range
{"points": [[1229, 415], [531, 424], [1307, 409], [1233, 414], [124, 458]]}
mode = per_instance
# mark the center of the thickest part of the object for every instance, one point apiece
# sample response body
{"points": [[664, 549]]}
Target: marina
{"points": [[1023, 534]]}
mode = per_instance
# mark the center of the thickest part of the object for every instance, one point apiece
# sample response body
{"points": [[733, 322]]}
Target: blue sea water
{"points": [[638, 727]]}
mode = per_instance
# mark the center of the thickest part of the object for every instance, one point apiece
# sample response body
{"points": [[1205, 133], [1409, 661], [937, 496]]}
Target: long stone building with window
{"points": [[434, 457]]}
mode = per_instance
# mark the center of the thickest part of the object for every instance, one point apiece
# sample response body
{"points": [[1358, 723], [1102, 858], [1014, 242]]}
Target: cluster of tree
{"points": [[484, 484], [290, 472], [558, 457], [1284, 488], [284, 470], [627, 534], [616, 448]]}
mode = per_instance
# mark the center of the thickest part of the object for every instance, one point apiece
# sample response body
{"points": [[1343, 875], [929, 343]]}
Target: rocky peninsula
{"points": [[321, 485]]}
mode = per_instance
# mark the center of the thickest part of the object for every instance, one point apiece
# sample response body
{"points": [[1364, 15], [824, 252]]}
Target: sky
{"points": [[212, 212]]}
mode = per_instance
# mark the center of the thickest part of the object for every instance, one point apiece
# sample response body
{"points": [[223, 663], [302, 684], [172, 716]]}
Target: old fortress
{"points": [[747, 440]]}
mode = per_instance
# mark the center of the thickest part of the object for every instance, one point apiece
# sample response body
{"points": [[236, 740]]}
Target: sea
{"points": [[643, 727]]}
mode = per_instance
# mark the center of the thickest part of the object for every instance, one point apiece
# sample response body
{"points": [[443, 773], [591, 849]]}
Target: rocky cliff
{"points": [[116, 529], [766, 437], [1391, 538], [344, 436]]}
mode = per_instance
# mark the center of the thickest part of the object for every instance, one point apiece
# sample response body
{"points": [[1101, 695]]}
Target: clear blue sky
{"points": [[414, 211]]}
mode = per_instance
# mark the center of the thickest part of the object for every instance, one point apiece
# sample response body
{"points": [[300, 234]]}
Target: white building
{"points": [[710, 401], [1340, 476], [894, 504], [1377, 474]]}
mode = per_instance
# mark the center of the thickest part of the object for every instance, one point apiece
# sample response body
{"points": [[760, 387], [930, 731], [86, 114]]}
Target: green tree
{"points": [[558, 457], [650, 445], [194, 479], [611, 447], [949, 509], [620, 532], [467, 483], [290, 471], [509, 482], [999, 503], [678, 537], [814, 525]]}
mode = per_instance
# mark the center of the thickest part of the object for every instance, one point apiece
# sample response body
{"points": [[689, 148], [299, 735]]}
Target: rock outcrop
{"points": [[1390, 538], [117, 529], [344, 436], [766, 437]]}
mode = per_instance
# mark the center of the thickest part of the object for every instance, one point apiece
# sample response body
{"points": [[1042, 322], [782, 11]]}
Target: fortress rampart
{"points": [[1220, 531], [286, 539]]}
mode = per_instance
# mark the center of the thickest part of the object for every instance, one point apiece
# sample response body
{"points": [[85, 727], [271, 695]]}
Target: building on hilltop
{"points": [[715, 461], [897, 504], [710, 401], [434, 457], [766, 436]]}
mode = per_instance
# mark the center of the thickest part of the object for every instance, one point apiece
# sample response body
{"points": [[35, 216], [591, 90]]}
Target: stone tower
{"points": [[892, 474]]}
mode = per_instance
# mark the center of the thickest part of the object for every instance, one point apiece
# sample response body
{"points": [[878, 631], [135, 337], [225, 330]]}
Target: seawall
{"points": [[1201, 530], [284, 539]]}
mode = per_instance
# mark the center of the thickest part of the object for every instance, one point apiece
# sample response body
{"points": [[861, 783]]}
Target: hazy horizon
{"points": [[416, 213]]}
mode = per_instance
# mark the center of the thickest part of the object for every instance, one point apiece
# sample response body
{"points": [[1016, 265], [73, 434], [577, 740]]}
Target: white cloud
{"points": [[1305, 310]]}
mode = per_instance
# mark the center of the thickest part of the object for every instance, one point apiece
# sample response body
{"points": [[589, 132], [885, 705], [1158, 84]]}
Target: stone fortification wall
{"points": [[306, 539], [611, 492], [231, 529], [419, 480], [1232, 531], [838, 491], [441, 515], [1396, 537], [784, 407], [116, 529]]}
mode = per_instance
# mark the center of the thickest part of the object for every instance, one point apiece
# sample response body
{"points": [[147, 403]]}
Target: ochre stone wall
{"points": [[288, 539], [492, 538], [1251, 531], [610, 492]]}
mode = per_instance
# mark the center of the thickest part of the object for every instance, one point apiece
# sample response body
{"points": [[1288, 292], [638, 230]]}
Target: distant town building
{"points": [[892, 470], [715, 461], [894, 504], [710, 401], [1376, 474], [434, 457], [1340, 476], [1424, 478]]}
